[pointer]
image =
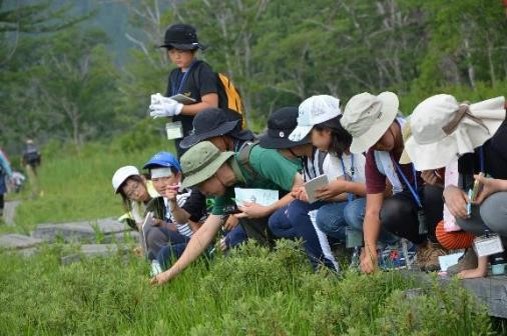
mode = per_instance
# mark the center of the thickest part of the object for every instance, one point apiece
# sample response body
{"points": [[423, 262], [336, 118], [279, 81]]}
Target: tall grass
{"points": [[251, 292], [77, 185]]}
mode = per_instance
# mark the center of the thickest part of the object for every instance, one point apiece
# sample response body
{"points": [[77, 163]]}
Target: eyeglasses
{"points": [[131, 188]]}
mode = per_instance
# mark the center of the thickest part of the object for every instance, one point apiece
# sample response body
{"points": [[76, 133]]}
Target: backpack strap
{"points": [[321, 156], [244, 157]]}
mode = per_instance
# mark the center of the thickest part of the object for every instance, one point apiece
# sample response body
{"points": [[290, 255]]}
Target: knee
{"points": [[493, 212], [393, 212], [354, 214]]}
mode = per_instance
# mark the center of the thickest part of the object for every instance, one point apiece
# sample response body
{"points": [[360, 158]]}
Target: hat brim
{"points": [[429, 156], [183, 46], [207, 172], [223, 129], [300, 132], [269, 142], [390, 104]]}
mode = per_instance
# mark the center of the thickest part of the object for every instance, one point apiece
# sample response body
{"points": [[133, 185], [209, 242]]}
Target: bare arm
{"points": [[207, 101], [196, 246], [371, 231]]}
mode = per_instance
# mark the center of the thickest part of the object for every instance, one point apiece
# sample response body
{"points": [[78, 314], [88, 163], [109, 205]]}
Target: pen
{"points": [[469, 203]]}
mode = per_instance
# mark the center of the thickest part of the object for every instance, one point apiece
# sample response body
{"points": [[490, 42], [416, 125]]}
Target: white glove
{"points": [[164, 107]]}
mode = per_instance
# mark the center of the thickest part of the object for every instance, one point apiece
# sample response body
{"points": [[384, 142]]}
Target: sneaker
{"points": [[392, 257], [427, 257], [467, 261]]}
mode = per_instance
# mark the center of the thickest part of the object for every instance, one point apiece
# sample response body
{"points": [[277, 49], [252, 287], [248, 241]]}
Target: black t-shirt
{"points": [[495, 158], [200, 81]]}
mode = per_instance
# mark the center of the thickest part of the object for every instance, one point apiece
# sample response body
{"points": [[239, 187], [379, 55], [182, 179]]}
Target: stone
{"points": [[18, 241], [79, 231]]}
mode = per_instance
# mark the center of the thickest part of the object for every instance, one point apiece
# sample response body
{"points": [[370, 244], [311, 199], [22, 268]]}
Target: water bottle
{"points": [[498, 264]]}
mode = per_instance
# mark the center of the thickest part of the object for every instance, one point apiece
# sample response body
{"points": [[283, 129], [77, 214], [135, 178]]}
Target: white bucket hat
{"points": [[367, 117], [443, 130], [122, 174], [313, 111]]}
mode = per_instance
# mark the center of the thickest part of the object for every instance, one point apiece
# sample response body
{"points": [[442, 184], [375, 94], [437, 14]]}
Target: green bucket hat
{"points": [[200, 162]]}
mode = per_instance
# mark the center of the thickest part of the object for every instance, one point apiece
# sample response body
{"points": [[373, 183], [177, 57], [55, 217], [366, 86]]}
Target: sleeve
{"points": [[332, 167], [375, 181], [222, 201], [207, 80], [4, 165], [195, 205], [274, 167]]}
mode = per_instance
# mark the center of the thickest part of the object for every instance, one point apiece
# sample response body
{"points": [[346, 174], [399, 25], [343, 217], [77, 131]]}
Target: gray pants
{"points": [[490, 215]]}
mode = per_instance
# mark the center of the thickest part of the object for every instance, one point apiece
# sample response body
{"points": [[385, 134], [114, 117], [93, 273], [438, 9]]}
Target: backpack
{"points": [[244, 157], [31, 155], [229, 97]]}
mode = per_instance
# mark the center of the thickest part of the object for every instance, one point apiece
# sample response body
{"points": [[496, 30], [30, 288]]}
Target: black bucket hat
{"points": [[281, 123], [181, 36], [212, 122]]}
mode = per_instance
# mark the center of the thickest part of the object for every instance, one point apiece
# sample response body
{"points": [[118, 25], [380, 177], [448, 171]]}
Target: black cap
{"points": [[281, 123], [212, 122], [181, 36]]}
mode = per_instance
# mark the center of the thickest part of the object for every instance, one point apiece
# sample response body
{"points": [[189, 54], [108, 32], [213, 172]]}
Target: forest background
{"points": [[79, 71]]}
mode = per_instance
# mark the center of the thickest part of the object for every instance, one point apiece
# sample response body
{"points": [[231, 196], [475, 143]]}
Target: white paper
{"points": [[264, 197], [180, 98], [314, 184], [449, 260], [174, 130]]}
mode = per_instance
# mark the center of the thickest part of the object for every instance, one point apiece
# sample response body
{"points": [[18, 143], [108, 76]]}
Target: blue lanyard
{"points": [[182, 81], [412, 190], [350, 196]]}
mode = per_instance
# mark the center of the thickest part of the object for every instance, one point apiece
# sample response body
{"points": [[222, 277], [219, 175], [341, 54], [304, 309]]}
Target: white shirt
{"points": [[334, 169]]}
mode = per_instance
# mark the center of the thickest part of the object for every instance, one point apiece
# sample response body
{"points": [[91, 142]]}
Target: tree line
{"points": [[60, 80]]}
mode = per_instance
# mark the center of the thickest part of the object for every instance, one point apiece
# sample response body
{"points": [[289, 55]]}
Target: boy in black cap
{"points": [[192, 78]]}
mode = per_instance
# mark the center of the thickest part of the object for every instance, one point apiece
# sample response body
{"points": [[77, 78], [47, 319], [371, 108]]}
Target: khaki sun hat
{"points": [[367, 117], [201, 162], [443, 129]]}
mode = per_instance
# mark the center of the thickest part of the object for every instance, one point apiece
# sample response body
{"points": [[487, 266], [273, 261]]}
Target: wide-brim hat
{"points": [[201, 162], [213, 122], [367, 117], [429, 146], [281, 123]]}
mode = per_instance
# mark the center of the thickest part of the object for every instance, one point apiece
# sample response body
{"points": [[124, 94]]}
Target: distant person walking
{"points": [[5, 172], [31, 160]]}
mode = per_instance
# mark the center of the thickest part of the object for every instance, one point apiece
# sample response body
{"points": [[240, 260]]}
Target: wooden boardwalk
{"points": [[492, 291]]}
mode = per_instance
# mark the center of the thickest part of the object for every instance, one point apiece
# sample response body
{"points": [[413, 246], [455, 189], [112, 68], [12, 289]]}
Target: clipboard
{"points": [[181, 98], [314, 184]]}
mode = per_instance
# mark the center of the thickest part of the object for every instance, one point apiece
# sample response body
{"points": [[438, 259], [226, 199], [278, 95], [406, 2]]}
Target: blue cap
{"points": [[163, 159]]}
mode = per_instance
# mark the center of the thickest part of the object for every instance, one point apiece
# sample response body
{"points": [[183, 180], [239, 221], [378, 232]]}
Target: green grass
{"points": [[77, 187], [252, 292]]}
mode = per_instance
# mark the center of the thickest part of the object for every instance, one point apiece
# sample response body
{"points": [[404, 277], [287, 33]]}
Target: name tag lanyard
{"points": [[176, 88], [413, 189], [350, 196]]}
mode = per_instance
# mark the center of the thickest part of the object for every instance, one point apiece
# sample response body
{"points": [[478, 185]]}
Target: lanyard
{"points": [[350, 196], [481, 158], [413, 190], [182, 81]]}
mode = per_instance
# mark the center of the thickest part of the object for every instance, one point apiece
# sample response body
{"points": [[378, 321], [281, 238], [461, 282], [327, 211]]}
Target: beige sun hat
{"points": [[367, 117], [443, 129]]}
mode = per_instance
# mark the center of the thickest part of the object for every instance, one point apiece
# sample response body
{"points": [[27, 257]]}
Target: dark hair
{"points": [[340, 138]]}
